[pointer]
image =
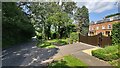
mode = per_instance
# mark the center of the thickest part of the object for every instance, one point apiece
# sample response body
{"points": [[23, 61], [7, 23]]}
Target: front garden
{"points": [[58, 42], [111, 53], [52, 43]]}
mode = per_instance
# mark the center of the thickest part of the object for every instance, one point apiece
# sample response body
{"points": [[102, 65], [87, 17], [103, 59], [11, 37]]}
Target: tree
{"points": [[85, 25], [42, 13], [50, 14], [16, 26], [69, 7], [82, 17]]}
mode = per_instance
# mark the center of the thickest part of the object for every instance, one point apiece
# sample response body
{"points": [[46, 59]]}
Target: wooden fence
{"points": [[97, 40]]}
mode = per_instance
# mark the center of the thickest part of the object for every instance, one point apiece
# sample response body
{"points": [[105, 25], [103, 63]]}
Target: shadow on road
{"points": [[26, 54]]}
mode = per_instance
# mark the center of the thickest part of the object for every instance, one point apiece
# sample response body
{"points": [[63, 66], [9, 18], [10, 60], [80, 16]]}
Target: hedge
{"points": [[116, 33], [74, 37], [108, 53]]}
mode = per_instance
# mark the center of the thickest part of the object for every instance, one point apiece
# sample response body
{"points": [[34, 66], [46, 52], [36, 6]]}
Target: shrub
{"points": [[108, 53], [116, 33], [39, 35], [62, 42], [54, 35], [74, 37]]}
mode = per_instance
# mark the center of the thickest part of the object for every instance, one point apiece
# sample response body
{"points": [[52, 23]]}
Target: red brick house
{"points": [[103, 26]]}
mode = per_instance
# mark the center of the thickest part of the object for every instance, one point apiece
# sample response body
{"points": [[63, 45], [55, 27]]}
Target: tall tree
{"points": [[16, 26], [82, 16], [85, 26], [79, 18]]}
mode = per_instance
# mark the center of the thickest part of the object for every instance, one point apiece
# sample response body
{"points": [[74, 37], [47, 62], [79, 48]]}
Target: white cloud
{"points": [[98, 6], [93, 0]]}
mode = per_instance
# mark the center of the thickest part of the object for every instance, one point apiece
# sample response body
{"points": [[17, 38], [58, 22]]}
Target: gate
{"points": [[97, 40]]}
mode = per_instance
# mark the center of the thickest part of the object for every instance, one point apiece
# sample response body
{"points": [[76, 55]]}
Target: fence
{"points": [[97, 40]]}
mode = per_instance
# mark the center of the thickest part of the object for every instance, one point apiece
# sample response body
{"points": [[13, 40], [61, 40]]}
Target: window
{"points": [[97, 28], [107, 33], [103, 27], [92, 28], [103, 33], [109, 26]]}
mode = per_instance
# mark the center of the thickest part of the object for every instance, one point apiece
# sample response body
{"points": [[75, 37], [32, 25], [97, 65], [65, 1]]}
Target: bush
{"points": [[54, 35], [62, 42], [108, 53], [116, 33], [39, 35], [74, 37]]}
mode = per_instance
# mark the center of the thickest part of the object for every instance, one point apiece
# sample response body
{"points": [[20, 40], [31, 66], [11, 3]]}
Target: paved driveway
{"points": [[79, 50], [70, 49], [26, 55]]}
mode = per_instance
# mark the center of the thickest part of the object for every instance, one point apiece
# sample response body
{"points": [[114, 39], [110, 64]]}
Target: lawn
{"points": [[52, 43], [58, 41], [109, 54], [46, 45], [68, 61]]}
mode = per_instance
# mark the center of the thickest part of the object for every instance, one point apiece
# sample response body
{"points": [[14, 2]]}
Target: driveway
{"points": [[70, 49], [81, 51], [26, 54]]}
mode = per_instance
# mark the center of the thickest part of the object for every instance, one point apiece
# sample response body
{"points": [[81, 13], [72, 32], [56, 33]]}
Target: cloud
{"points": [[97, 6]]}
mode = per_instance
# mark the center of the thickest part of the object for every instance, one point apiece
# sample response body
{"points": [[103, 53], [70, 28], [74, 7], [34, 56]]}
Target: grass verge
{"points": [[68, 61]]}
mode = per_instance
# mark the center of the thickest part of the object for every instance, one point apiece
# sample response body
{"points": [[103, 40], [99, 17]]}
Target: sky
{"points": [[98, 10]]}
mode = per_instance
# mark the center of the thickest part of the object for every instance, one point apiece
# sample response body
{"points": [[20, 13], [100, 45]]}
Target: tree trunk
{"points": [[49, 31], [59, 31]]}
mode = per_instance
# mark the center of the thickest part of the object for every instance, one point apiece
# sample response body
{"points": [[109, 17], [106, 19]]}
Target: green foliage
{"points": [[45, 45], [74, 37], [54, 35], [82, 16], [116, 33], [58, 41], [115, 63], [108, 53], [69, 7], [16, 26], [62, 42], [51, 16], [67, 61]]}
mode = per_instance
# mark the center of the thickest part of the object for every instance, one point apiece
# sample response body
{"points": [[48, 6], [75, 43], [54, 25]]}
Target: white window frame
{"points": [[103, 27], [109, 26]]}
